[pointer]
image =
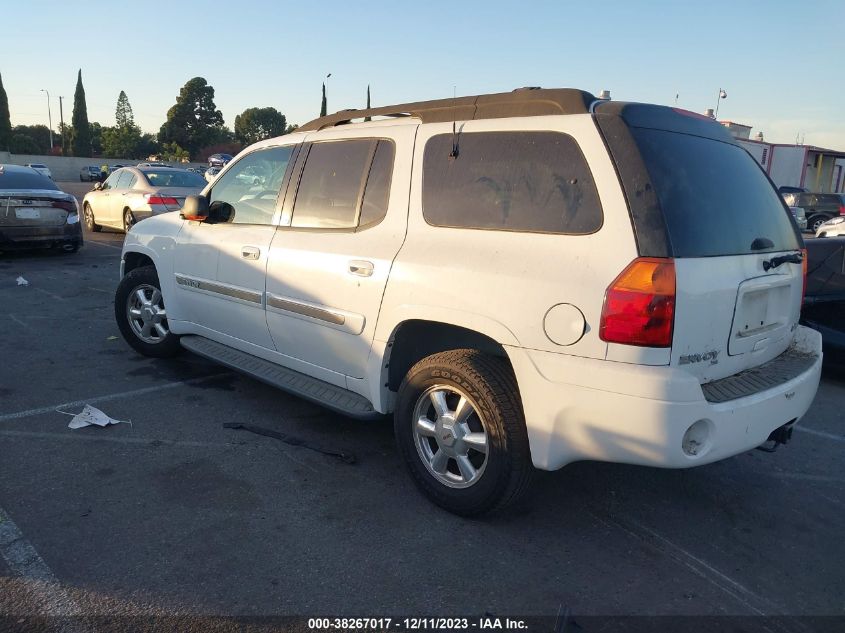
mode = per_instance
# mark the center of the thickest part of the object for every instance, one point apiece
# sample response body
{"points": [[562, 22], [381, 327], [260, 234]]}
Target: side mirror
{"points": [[221, 212], [98, 186], [195, 209]]}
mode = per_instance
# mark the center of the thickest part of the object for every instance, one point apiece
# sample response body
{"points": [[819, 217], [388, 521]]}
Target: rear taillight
{"points": [[803, 274], [68, 204], [151, 199], [639, 306], [842, 209]]}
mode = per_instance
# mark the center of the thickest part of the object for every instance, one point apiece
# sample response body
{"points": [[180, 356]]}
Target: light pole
{"points": [[722, 95], [62, 125], [49, 117]]}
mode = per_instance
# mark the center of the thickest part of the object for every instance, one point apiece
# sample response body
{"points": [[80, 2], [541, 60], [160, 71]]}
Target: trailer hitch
{"points": [[780, 435]]}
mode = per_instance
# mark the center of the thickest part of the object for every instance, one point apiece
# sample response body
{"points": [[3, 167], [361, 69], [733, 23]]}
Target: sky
{"points": [[779, 61]]}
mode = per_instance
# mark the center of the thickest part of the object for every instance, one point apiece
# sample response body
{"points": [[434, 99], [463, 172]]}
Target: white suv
{"points": [[523, 280]]}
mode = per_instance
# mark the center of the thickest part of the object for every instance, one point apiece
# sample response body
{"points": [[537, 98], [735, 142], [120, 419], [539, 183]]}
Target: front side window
{"points": [[510, 181], [251, 186]]}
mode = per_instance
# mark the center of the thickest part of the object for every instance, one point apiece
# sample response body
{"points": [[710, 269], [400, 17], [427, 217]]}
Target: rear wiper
{"points": [[774, 262]]}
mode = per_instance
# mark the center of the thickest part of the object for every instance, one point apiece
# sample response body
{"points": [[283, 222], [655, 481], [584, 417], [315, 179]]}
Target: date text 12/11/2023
{"points": [[418, 624]]}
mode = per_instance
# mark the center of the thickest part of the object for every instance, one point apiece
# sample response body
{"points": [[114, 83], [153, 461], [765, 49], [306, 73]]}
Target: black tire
{"points": [[146, 276], [88, 217], [128, 220], [815, 221], [491, 386]]}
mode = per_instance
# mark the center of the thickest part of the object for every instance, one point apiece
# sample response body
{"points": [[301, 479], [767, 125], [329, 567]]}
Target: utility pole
{"points": [[62, 126], [49, 117]]}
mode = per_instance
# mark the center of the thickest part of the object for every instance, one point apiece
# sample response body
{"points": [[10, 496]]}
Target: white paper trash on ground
{"points": [[22, 282], [91, 416]]}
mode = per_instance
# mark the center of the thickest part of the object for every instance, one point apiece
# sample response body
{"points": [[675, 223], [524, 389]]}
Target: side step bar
{"points": [[330, 396]]}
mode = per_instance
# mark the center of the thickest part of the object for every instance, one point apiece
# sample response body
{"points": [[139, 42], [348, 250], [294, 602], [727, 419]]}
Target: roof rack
{"points": [[520, 102]]}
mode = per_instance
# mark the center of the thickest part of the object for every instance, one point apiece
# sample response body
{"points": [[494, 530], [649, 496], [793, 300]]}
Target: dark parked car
{"points": [[37, 214], [219, 160], [89, 173], [819, 207], [787, 189], [824, 300]]}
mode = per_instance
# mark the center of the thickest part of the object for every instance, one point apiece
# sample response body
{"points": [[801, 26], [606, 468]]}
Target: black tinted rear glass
{"points": [[25, 179], [510, 181], [715, 198]]}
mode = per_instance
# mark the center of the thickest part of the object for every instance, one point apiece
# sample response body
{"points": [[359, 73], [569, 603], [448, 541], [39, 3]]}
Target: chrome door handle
{"points": [[250, 252], [361, 267]]}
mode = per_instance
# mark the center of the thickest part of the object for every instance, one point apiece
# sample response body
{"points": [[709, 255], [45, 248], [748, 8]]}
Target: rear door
{"points": [[330, 259], [736, 251]]}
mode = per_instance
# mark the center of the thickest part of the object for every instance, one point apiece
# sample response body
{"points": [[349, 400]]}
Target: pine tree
{"points": [[323, 106], [366, 118], [5, 120], [193, 122], [123, 115], [81, 142]]}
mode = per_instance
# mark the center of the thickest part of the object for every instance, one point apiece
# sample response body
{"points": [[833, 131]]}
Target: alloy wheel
{"points": [[450, 437], [146, 314]]}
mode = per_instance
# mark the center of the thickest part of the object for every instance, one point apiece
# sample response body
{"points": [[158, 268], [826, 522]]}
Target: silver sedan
{"points": [[131, 194]]}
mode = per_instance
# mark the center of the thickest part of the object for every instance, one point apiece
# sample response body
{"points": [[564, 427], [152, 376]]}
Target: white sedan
{"points": [[41, 169], [131, 194]]}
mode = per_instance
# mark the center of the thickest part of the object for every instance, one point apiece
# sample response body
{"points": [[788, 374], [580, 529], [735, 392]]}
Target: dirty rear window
{"points": [[510, 181], [714, 197]]}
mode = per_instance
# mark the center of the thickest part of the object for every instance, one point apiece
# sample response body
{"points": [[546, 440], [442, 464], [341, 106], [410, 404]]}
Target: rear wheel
{"points": [[90, 223], [128, 220], [460, 428], [141, 315]]}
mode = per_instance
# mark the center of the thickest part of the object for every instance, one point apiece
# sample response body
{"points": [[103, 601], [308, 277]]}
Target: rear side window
{"points": [[510, 181], [714, 197], [344, 184], [25, 179]]}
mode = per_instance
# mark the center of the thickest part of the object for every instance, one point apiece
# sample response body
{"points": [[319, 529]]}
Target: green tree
{"points": [[194, 121], [38, 135], [23, 144], [123, 139], [256, 124], [323, 104], [123, 112], [147, 146], [172, 152], [5, 120], [81, 139]]}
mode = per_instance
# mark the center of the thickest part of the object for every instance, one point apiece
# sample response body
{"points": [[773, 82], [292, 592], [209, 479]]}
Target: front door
{"points": [[220, 267], [342, 226]]}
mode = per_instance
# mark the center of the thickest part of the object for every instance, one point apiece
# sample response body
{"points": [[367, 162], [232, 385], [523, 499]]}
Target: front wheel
{"points": [[460, 428], [141, 315]]}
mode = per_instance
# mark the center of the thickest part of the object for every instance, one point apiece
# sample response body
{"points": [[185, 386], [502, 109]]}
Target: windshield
{"points": [[174, 178], [715, 198]]}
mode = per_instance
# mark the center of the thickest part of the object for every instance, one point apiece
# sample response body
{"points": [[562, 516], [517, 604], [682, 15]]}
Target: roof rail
{"points": [[521, 102]]}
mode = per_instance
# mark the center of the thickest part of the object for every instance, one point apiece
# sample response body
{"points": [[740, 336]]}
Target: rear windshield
{"points": [[715, 198], [25, 179], [175, 179]]}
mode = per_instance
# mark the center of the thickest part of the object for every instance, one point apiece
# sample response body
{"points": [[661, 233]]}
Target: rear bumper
{"points": [[583, 409], [40, 236]]}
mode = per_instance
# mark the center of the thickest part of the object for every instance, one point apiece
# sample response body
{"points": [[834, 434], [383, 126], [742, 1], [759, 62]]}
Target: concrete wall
{"points": [[65, 168]]}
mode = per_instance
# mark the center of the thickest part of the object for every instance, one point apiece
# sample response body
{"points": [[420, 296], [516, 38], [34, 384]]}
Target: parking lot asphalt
{"points": [[173, 514]]}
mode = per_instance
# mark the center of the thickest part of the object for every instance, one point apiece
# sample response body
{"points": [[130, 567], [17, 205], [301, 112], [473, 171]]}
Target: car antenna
{"points": [[455, 149]]}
